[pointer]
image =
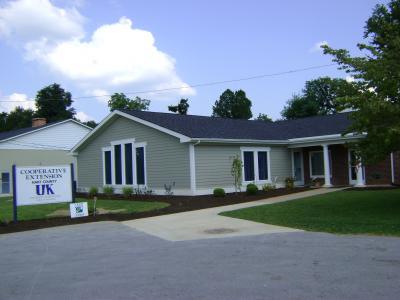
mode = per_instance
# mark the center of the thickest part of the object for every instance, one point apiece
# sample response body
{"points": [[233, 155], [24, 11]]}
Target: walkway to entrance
{"points": [[206, 223]]}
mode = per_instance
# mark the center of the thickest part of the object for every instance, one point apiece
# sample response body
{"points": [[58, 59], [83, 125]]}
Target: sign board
{"points": [[78, 209], [43, 184]]}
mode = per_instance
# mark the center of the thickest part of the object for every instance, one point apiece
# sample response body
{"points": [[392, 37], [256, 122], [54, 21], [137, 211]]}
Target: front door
{"points": [[353, 168], [298, 173]]}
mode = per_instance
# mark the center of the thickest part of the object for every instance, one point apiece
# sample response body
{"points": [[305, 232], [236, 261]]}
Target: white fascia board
{"points": [[43, 128], [240, 141]]}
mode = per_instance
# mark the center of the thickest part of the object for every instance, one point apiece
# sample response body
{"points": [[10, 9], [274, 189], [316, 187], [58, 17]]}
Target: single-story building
{"points": [[194, 153], [41, 144]]}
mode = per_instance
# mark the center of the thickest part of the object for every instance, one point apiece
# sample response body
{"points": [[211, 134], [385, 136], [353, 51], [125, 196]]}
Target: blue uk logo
{"points": [[42, 189]]}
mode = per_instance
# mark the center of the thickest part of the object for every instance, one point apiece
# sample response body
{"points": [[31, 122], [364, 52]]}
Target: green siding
{"points": [[167, 160], [213, 164]]}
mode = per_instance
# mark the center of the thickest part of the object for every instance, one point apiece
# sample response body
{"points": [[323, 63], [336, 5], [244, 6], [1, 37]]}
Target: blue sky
{"points": [[102, 47]]}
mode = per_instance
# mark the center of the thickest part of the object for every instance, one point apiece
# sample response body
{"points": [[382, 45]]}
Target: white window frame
{"points": [[134, 147], [255, 151], [310, 163], [299, 182]]}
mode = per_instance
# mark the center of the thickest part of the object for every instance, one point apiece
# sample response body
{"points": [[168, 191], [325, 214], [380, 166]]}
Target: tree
{"points": [[91, 123], [181, 108], [299, 107], [234, 105], [54, 103], [376, 105], [264, 117], [17, 118], [121, 101], [319, 97], [236, 172]]}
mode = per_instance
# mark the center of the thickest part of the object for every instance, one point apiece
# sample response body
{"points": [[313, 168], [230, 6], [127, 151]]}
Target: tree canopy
{"points": [[263, 117], [234, 105], [319, 97], [181, 108], [54, 103], [121, 101], [376, 105], [17, 118]]}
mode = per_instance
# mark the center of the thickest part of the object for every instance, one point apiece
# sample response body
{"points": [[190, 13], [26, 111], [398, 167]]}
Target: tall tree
{"points": [[319, 97], [376, 105], [264, 117], [234, 105], [121, 101], [17, 118], [54, 103], [299, 107], [181, 108]]}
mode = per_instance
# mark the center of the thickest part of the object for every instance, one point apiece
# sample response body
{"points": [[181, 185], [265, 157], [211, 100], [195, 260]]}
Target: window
{"points": [[107, 167], [317, 164], [255, 164], [124, 163], [5, 183]]}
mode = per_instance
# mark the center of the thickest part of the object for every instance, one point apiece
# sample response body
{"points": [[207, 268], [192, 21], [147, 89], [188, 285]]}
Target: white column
{"points": [[327, 169], [360, 180]]}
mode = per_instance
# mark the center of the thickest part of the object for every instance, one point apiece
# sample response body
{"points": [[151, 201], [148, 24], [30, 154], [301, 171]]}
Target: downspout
{"points": [[192, 166], [392, 165]]}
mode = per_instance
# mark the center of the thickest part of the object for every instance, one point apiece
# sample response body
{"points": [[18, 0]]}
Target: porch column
{"points": [[327, 169], [360, 180]]}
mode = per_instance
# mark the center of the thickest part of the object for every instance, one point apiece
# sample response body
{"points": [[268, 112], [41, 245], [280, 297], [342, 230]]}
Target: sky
{"points": [[94, 48]]}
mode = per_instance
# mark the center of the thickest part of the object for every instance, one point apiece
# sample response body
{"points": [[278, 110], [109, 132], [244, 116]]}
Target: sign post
{"points": [[15, 212]]}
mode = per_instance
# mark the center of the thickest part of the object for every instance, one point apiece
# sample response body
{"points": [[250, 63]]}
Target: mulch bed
{"points": [[176, 204]]}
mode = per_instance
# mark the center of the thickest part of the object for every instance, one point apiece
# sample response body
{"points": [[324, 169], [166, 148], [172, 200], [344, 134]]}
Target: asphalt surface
{"points": [[113, 261]]}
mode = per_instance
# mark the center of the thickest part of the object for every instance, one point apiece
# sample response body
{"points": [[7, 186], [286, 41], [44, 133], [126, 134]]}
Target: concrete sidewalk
{"points": [[206, 223]]}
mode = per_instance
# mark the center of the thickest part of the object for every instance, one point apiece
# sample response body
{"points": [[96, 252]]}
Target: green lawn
{"points": [[356, 212], [52, 210]]}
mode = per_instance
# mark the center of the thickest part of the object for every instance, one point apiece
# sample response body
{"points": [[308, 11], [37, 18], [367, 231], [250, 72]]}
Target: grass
{"points": [[42, 211], [374, 212]]}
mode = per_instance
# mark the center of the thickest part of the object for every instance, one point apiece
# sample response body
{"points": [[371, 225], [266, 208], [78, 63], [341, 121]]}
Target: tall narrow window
{"points": [[117, 164], [128, 164], [140, 165], [248, 165], [107, 167], [5, 183], [262, 165]]}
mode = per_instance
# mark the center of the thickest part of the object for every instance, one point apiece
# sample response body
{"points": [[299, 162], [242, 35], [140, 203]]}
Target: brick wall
{"points": [[379, 173]]}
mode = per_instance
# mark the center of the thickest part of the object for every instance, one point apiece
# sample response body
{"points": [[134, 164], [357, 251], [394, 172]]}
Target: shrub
{"points": [[268, 187], [289, 182], [127, 191], [219, 192], [251, 189], [108, 190], [93, 191]]}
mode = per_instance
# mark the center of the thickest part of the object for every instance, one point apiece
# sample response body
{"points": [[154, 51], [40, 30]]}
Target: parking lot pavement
{"points": [[109, 260]]}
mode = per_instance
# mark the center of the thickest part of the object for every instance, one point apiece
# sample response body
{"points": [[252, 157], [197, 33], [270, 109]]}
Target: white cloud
{"points": [[350, 79], [117, 57], [8, 103], [317, 46], [82, 116], [33, 21]]}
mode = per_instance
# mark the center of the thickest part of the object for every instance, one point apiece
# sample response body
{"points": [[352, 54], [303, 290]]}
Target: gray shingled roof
{"points": [[11, 133], [221, 128]]}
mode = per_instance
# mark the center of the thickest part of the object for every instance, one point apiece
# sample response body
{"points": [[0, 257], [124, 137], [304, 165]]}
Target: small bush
{"points": [[108, 190], [251, 189], [93, 191], [268, 187], [127, 191], [289, 182], [219, 192]]}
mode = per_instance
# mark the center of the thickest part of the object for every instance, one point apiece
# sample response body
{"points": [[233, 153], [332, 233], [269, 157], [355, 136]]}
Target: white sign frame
{"points": [[43, 184], [82, 206]]}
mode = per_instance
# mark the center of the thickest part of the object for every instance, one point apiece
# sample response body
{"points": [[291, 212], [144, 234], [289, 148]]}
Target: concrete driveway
{"points": [[110, 260], [206, 223]]}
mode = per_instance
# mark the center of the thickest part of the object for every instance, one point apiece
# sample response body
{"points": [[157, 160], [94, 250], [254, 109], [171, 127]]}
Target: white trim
{"points": [[327, 166], [103, 150], [192, 166], [124, 141], [310, 167], [298, 182], [357, 181], [255, 151], [239, 141]]}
